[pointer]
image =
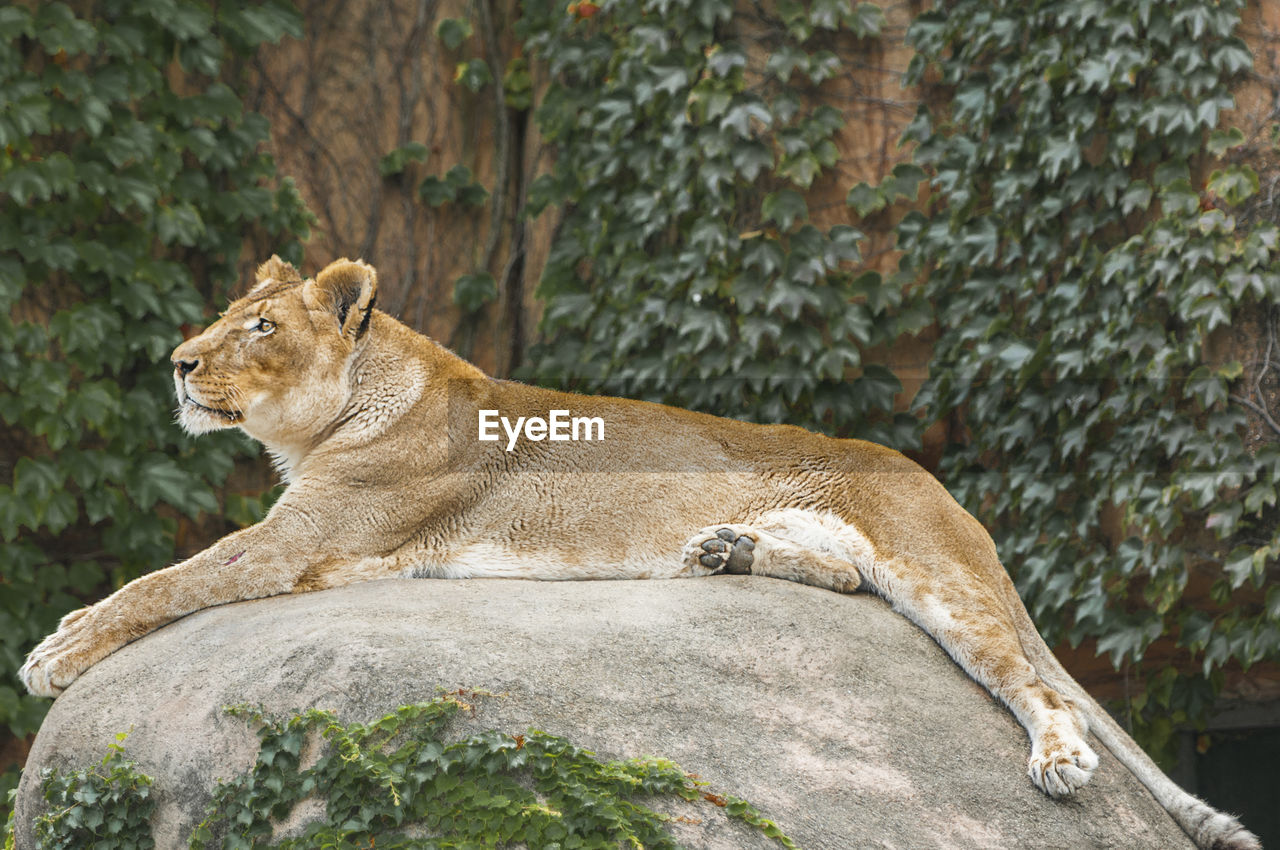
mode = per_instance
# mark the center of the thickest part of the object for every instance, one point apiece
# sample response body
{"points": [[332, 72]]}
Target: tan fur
{"points": [[373, 426]]}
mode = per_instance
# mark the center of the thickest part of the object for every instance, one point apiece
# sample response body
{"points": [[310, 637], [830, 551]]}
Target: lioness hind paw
{"points": [[1060, 774], [722, 549]]}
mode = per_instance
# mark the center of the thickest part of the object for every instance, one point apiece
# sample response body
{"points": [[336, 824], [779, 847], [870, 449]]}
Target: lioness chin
{"points": [[368, 422]]}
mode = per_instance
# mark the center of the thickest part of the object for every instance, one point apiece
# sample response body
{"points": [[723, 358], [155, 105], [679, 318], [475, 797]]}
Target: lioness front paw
{"points": [[60, 658], [1061, 768], [721, 549]]}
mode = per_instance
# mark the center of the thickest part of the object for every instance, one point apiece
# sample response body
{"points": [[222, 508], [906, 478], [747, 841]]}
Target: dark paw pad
{"points": [[728, 552]]}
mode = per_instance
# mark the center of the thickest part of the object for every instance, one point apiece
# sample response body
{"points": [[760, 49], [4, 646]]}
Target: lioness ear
{"points": [[348, 289], [276, 269]]}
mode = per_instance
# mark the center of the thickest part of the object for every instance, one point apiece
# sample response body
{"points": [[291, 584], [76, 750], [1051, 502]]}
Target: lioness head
{"points": [[277, 362]]}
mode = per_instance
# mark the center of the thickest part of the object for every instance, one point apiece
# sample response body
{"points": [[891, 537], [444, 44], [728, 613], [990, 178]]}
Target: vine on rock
{"points": [[109, 805], [398, 781]]}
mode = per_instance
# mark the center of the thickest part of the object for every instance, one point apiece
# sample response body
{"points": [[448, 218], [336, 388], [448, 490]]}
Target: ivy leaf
{"points": [[785, 59], [474, 74], [865, 199], [455, 185], [1223, 140], [517, 84], [750, 158], [1136, 197], [16, 22], [844, 241], [784, 207], [160, 479], [1234, 184], [1095, 74], [829, 14], [473, 291], [704, 328], [740, 116], [765, 255], [453, 31], [904, 182], [1129, 642], [1015, 354], [1232, 57], [723, 59], [866, 20], [971, 100], [179, 224], [1061, 154], [437, 192], [36, 478], [23, 184], [800, 170], [395, 161], [264, 23], [982, 239], [473, 195], [671, 79]]}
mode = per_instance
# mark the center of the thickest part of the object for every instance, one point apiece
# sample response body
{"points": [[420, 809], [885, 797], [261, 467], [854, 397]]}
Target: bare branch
{"points": [[1259, 410]]}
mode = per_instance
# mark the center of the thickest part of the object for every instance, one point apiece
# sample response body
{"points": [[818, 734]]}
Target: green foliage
{"points": [[517, 84], [455, 186], [1077, 253], [473, 291], [104, 807], [453, 31], [397, 782], [398, 777], [1077, 264], [245, 510], [902, 184], [474, 74], [686, 267], [396, 161], [129, 181]]}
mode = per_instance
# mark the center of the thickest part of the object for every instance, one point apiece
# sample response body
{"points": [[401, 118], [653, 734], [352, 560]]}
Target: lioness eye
{"points": [[265, 326]]}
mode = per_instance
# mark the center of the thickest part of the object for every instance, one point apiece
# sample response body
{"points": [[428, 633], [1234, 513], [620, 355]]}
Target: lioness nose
{"points": [[185, 367]]}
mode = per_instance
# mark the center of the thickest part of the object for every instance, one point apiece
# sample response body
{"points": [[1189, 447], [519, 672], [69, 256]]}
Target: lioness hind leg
{"points": [[770, 548], [966, 618], [975, 630]]}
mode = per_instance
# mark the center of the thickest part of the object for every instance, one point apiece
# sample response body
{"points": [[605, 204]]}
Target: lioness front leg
{"points": [[263, 560]]}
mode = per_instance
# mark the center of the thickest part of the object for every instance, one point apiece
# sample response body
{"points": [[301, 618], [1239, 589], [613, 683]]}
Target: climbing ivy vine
{"points": [[106, 805], [686, 266], [400, 781], [1082, 254], [130, 175]]}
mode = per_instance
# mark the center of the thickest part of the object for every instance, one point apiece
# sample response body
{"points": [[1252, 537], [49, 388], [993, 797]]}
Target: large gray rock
{"points": [[838, 718]]}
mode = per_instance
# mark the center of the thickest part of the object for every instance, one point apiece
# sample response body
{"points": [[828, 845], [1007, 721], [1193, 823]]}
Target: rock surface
{"points": [[839, 719]]}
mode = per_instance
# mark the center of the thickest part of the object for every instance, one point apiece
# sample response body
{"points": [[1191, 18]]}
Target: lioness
{"points": [[369, 423]]}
